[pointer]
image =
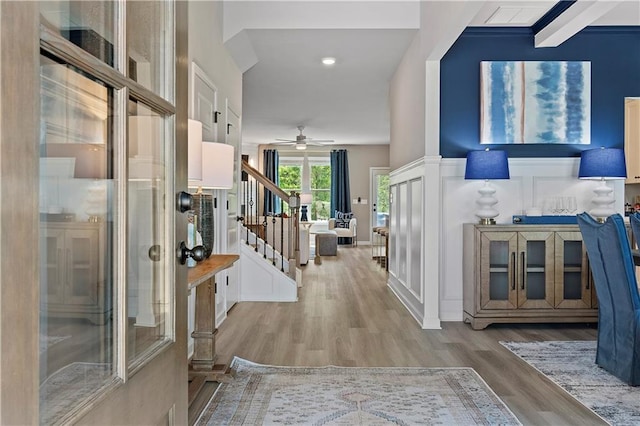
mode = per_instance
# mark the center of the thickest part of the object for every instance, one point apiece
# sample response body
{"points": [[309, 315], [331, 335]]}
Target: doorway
{"points": [[379, 196]]}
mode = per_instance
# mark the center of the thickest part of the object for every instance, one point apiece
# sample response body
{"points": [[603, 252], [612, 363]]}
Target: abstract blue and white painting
{"points": [[535, 102]]}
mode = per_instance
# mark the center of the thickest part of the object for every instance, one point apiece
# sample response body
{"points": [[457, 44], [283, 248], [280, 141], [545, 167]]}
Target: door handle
{"points": [[524, 270], [184, 201], [155, 253], [183, 253], [513, 270]]}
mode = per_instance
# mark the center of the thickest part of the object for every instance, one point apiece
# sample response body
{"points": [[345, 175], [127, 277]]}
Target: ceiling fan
{"points": [[302, 141]]}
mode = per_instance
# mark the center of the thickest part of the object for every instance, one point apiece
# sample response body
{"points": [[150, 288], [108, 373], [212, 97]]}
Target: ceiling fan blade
{"points": [[285, 140], [321, 140]]}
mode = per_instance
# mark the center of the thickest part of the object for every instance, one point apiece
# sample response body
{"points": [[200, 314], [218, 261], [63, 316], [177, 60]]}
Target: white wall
{"points": [[406, 102], [206, 48], [414, 94], [415, 136]]}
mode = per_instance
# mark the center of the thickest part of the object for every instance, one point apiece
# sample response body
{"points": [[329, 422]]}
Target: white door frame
{"points": [[373, 172]]}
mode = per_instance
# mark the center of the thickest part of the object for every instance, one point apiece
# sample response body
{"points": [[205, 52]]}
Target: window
{"points": [[290, 177], [321, 191], [290, 172]]}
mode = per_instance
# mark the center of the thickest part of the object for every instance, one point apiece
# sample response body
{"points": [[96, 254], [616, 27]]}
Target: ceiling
{"points": [[286, 85]]}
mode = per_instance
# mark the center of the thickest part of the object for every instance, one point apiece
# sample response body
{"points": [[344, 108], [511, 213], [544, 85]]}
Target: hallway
{"points": [[347, 316]]}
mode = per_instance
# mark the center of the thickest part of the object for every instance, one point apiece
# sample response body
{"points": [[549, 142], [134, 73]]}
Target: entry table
{"points": [[202, 277]]}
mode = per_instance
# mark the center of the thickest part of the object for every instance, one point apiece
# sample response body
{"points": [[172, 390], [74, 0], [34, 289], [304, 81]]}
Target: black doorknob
{"points": [[183, 253], [184, 201]]}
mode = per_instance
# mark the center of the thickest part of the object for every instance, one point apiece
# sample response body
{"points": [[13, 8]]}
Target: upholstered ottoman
{"points": [[327, 243]]}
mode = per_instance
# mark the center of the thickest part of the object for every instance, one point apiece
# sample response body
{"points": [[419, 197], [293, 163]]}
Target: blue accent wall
{"points": [[614, 53]]}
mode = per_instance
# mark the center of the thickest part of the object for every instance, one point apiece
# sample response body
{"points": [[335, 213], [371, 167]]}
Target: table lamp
{"points": [[602, 164], [217, 173], [487, 165], [305, 200]]}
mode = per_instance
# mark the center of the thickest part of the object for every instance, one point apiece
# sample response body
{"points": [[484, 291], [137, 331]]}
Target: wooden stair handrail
{"points": [[265, 181], [294, 227]]}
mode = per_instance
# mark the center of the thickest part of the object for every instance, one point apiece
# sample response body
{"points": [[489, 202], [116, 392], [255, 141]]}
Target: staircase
{"points": [[269, 253]]}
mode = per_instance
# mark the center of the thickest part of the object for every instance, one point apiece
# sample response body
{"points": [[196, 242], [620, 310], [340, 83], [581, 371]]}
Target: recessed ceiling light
{"points": [[328, 61]]}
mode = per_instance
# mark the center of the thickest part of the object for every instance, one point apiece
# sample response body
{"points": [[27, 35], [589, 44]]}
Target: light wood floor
{"points": [[347, 316]]}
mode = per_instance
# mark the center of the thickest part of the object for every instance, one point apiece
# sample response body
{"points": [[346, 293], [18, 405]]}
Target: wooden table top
{"points": [[209, 267]]}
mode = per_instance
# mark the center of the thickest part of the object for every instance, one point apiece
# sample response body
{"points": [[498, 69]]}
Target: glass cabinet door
{"points": [[497, 270], [82, 249], [52, 269], [573, 280], [535, 270]]}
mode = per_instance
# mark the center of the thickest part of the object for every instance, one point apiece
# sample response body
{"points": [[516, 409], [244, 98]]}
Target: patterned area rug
{"points": [[47, 341], [261, 394], [572, 366], [68, 386]]}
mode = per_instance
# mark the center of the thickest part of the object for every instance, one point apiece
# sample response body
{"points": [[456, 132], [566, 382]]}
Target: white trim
{"points": [[406, 168], [423, 305], [432, 236]]}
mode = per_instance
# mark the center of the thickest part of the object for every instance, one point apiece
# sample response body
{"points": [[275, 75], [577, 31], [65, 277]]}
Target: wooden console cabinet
{"points": [[203, 367], [73, 275], [526, 273]]}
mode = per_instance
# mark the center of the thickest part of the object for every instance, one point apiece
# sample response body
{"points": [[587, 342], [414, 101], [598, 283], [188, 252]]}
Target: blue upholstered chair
{"points": [[618, 299]]}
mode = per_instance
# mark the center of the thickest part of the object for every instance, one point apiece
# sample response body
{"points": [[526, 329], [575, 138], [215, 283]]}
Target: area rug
{"points": [[67, 387], [260, 394], [572, 366], [47, 341]]}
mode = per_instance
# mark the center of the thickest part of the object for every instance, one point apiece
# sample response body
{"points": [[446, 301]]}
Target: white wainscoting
{"points": [[532, 181], [408, 264], [430, 202]]}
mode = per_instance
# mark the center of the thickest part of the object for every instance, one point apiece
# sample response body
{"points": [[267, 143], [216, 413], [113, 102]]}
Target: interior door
{"points": [[233, 274], [205, 103]]}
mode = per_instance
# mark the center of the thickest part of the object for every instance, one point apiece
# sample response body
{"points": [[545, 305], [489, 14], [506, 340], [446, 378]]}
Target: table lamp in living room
{"points": [[305, 200], [602, 164], [487, 165]]}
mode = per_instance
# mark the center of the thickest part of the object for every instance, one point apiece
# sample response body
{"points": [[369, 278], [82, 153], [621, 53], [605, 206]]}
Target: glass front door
{"points": [[107, 216], [379, 197]]}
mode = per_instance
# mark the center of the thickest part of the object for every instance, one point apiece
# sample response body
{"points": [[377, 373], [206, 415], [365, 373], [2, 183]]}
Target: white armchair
{"points": [[350, 232]]}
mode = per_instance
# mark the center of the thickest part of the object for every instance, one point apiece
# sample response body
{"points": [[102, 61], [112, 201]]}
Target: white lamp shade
{"points": [[144, 134], [217, 165], [195, 151], [306, 198]]}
